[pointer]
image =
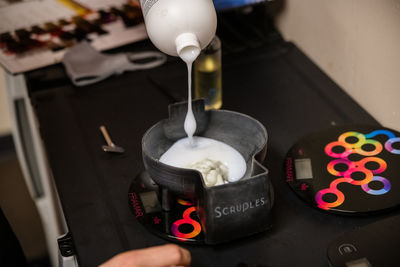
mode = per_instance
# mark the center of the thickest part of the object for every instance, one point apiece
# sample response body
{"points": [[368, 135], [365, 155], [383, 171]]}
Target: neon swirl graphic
{"points": [[384, 190], [368, 175], [347, 149], [186, 220], [332, 190], [378, 148], [184, 202], [389, 134], [356, 166], [382, 164], [361, 139], [333, 163], [389, 145]]}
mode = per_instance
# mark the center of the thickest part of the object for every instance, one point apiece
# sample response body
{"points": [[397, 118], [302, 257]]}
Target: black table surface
{"points": [[277, 84]]}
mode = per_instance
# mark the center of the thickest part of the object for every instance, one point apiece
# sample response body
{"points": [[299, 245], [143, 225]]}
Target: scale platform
{"points": [[347, 170], [179, 224]]}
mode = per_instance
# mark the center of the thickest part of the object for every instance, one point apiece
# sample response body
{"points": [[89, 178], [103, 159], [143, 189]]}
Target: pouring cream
{"points": [[218, 162], [189, 55]]}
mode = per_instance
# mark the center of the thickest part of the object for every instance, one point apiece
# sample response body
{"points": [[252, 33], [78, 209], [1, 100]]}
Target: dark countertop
{"points": [[276, 84]]}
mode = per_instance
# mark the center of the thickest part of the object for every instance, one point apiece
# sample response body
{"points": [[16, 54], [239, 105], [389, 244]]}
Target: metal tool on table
{"points": [[110, 147]]}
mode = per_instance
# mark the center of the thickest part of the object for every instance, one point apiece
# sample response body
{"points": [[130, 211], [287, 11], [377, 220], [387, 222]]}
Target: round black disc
{"points": [[347, 169]]}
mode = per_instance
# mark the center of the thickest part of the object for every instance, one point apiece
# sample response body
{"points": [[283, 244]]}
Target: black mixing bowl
{"points": [[226, 211]]}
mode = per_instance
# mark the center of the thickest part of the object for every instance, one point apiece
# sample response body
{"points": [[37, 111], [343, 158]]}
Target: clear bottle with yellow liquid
{"points": [[208, 75]]}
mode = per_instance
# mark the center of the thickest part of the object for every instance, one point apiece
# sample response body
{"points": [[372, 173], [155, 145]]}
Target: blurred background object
{"points": [[208, 75], [15, 201], [35, 34], [356, 43]]}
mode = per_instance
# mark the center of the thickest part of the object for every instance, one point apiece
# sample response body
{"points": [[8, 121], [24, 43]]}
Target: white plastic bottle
{"points": [[175, 25]]}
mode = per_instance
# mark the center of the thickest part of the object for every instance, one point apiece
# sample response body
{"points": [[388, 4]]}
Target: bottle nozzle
{"points": [[187, 46]]}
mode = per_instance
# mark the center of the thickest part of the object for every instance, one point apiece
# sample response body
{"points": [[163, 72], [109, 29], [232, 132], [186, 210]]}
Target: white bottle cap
{"points": [[187, 41]]}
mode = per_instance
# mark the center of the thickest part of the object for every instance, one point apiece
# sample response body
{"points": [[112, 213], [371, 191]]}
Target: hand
{"points": [[160, 256]]}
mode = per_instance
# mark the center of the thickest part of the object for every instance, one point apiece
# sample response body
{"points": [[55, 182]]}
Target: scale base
{"points": [[162, 213]]}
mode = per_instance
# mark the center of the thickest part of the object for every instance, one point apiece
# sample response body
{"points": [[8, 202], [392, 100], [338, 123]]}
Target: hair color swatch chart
{"points": [[37, 33]]}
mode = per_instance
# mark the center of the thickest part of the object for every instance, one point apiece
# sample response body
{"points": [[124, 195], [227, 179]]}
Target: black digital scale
{"points": [[180, 223], [347, 169], [376, 244]]}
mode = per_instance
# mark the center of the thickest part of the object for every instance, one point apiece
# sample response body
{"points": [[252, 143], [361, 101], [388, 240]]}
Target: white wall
{"points": [[357, 43], [5, 126]]}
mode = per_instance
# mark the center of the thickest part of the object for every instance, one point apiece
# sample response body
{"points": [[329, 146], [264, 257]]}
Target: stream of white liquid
{"points": [[190, 150], [189, 55]]}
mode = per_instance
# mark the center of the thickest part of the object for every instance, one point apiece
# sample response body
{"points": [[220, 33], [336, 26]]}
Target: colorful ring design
{"points": [[338, 181], [384, 190], [358, 166], [333, 190], [186, 219], [389, 145], [381, 162], [326, 205], [359, 136], [347, 149], [331, 166], [389, 134], [376, 151], [368, 176]]}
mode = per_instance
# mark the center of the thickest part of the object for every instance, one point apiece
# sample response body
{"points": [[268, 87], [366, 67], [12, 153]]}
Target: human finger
{"points": [[158, 256]]}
